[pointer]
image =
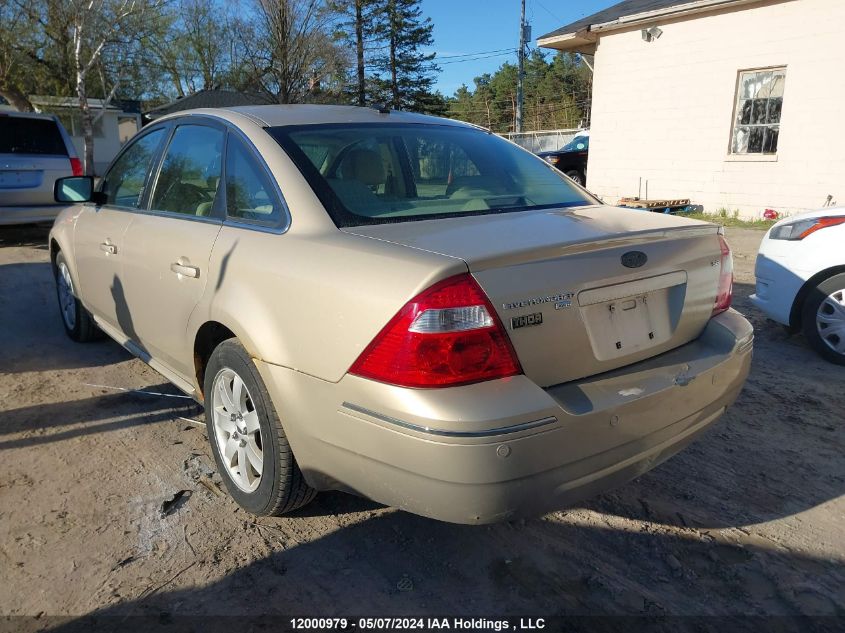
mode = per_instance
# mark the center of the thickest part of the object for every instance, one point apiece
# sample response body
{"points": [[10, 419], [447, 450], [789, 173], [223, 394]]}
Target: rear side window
{"points": [[250, 195], [190, 172], [23, 135], [124, 183]]}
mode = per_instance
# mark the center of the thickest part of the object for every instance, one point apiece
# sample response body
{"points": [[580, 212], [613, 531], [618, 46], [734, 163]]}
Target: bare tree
{"points": [[98, 26], [297, 55], [14, 29], [194, 45]]}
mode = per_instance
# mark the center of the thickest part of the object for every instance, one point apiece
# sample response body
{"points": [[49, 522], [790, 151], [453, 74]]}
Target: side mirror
{"points": [[74, 189]]}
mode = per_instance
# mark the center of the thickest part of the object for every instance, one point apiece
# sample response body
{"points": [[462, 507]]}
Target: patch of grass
{"points": [[731, 218]]}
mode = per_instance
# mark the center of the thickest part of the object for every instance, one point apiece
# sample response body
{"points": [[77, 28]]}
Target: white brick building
{"points": [[736, 104]]}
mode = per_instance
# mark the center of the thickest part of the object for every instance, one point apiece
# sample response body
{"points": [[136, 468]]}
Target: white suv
{"points": [[801, 278]]}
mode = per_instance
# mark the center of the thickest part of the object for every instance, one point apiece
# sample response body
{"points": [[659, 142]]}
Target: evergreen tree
{"points": [[557, 95], [356, 21], [405, 73]]}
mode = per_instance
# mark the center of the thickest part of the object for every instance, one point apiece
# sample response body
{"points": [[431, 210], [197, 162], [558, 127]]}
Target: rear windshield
{"points": [[579, 143], [23, 135], [378, 173]]}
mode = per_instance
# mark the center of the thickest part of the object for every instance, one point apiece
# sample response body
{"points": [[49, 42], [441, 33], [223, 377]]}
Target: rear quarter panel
{"points": [[311, 302]]}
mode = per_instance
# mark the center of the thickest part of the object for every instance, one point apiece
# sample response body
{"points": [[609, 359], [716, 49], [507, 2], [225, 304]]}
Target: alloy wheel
{"points": [[67, 301], [237, 430]]}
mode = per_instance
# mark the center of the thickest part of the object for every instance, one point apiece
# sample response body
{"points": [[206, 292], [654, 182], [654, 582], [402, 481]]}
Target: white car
{"points": [[801, 278]]}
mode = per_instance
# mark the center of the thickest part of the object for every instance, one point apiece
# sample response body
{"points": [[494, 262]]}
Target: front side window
{"points": [[377, 173], [759, 101], [249, 193], [190, 172], [125, 181]]}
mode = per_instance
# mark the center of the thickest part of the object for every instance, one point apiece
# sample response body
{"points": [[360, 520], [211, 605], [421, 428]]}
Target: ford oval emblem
{"points": [[634, 259]]}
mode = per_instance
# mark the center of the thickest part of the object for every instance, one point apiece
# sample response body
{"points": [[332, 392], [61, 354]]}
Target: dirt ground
{"points": [[748, 521]]}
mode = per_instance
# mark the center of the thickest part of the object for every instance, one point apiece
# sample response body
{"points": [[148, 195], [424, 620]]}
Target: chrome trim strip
{"points": [[173, 215], [445, 433], [261, 228]]}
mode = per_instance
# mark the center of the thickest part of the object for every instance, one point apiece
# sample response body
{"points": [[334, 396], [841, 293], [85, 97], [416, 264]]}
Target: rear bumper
{"points": [[507, 448], [29, 214]]}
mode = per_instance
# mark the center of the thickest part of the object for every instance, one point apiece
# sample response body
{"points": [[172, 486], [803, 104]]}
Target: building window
{"points": [[72, 122], [759, 100]]}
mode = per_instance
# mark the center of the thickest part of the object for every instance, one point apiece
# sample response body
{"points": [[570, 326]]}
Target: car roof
{"points": [[277, 115], [27, 115]]}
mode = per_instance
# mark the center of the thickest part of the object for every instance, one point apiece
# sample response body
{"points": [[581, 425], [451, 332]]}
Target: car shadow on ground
{"points": [[31, 333], [53, 422], [753, 466], [400, 564], [25, 235]]}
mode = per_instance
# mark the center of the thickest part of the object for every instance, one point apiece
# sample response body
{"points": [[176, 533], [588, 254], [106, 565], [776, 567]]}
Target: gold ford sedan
{"points": [[400, 306]]}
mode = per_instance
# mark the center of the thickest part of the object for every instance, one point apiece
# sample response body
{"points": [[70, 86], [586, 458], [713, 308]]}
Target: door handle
{"points": [[109, 249], [185, 271]]}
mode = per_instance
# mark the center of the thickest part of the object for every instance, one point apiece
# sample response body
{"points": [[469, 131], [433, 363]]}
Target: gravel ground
{"points": [[108, 503]]}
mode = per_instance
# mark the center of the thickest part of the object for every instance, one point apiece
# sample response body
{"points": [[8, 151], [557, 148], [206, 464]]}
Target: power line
{"points": [[498, 50], [436, 61], [546, 9], [461, 61], [542, 109]]}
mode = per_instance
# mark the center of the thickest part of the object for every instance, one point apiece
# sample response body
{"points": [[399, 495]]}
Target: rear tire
{"points": [[823, 319], [78, 322], [576, 176], [250, 446]]}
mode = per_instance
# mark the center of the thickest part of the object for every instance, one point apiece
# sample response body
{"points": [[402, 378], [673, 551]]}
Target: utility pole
{"points": [[520, 77]]}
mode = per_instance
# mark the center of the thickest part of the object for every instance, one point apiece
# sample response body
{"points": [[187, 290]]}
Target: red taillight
{"points": [[76, 166], [726, 279], [447, 335]]}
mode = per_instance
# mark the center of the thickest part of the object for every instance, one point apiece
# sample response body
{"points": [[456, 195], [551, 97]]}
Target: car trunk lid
{"points": [[581, 291]]}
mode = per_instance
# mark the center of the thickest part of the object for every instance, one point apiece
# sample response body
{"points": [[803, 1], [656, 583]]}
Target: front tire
{"points": [[249, 443], [823, 319], [78, 323]]}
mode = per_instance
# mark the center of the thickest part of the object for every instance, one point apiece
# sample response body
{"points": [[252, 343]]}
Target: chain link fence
{"points": [[543, 140]]}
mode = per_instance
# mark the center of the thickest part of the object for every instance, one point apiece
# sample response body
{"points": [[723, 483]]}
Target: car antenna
{"points": [[381, 108]]}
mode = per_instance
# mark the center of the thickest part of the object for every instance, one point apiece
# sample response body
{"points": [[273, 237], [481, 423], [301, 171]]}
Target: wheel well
{"points": [[209, 336], [801, 297]]}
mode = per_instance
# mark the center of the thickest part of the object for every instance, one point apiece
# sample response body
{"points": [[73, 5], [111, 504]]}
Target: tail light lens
{"points": [[447, 335], [76, 166], [726, 278]]}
